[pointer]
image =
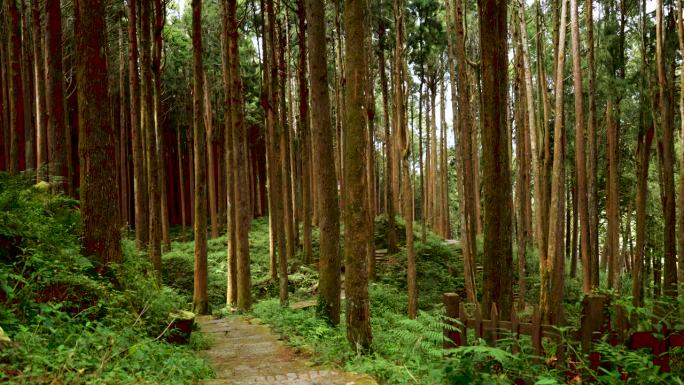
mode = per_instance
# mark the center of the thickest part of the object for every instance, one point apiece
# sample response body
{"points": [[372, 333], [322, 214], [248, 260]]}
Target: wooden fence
{"points": [[595, 324]]}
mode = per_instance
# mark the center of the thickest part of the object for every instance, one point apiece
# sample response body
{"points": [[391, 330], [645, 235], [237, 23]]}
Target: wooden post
{"points": [[536, 332], [595, 319], [478, 322], [452, 302]]}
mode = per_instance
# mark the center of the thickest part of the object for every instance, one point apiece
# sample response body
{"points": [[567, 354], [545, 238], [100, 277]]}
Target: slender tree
{"points": [[242, 208], [469, 222], [200, 299], [389, 146], [54, 90], [552, 261], [580, 152], [139, 174], [325, 177], [16, 91], [612, 205], [592, 186], [666, 136], [231, 261], [39, 82], [305, 134], [148, 128], [402, 129]]}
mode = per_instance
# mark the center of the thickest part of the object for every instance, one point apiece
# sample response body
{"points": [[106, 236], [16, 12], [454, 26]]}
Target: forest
{"points": [[341, 192]]}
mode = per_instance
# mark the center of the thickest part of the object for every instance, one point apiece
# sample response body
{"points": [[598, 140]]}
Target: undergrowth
{"points": [[67, 323], [406, 351]]}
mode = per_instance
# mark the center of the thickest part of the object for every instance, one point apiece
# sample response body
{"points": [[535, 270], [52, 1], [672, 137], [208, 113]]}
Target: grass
{"points": [[68, 324]]}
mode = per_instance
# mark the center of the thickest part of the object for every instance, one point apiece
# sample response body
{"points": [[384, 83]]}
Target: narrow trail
{"points": [[244, 352]]}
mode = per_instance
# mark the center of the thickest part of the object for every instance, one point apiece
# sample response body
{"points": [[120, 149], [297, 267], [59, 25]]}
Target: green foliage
{"points": [[69, 324]]}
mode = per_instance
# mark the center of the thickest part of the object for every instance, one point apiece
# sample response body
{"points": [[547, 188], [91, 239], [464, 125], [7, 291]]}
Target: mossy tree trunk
{"points": [[355, 210], [99, 189], [325, 177]]}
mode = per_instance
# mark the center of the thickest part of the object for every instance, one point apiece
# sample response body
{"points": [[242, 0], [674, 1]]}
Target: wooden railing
{"points": [[595, 324]]}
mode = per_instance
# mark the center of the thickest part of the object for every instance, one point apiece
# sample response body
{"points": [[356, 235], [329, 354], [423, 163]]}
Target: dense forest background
{"points": [[519, 154]]}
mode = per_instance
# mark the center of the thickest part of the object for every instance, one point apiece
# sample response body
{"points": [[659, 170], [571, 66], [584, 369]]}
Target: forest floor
{"points": [[244, 352]]}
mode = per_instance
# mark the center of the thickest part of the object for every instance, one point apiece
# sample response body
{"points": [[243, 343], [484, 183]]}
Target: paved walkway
{"points": [[246, 353]]}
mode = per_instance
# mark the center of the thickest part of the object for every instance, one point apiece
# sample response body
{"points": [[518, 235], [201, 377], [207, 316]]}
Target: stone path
{"points": [[246, 353]]}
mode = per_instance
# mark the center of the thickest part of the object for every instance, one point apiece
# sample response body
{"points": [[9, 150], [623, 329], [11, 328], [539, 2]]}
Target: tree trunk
{"points": [[200, 298], [580, 152], [667, 122], [99, 190], [139, 175], [523, 172], [181, 185], [243, 214], [389, 147], [592, 185], [123, 127], [211, 161], [498, 263], [355, 213], [469, 223], [286, 174], [231, 185], [56, 118], [325, 178], [4, 97], [551, 291], [370, 152], [445, 227], [27, 65], [680, 234], [643, 157], [148, 127], [402, 129], [305, 134], [612, 210], [16, 92], [39, 81]]}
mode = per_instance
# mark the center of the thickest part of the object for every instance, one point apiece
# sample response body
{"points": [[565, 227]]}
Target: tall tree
{"points": [[325, 177], [99, 189], [231, 260], [552, 260], [402, 129], [305, 134], [580, 154], [157, 48], [139, 174], [242, 207], [666, 136], [39, 82], [522, 161], [612, 204], [469, 222], [16, 91], [592, 185], [497, 262], [355, 216], [200, 299], [389, 146], [148, 127], [54, 89], [680, 234]]}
